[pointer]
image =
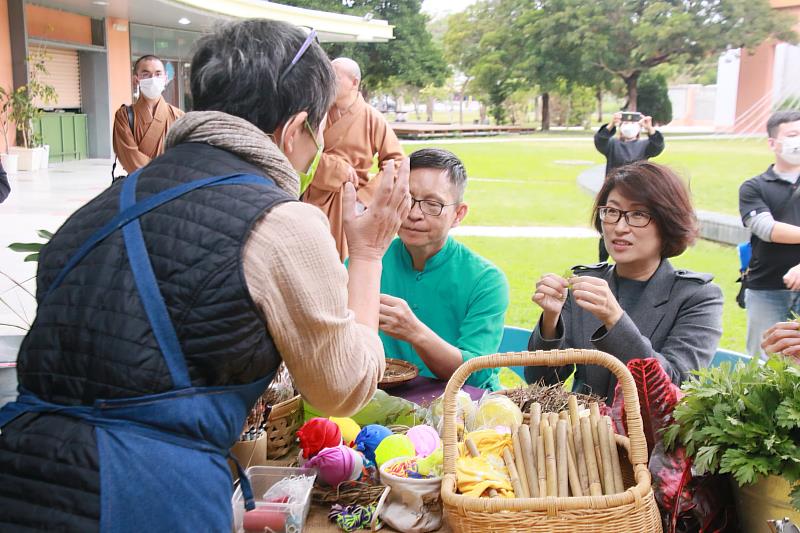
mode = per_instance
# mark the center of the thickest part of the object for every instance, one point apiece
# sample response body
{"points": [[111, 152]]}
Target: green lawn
{"points": [[524, 260], [544, 175], [716, 168]]}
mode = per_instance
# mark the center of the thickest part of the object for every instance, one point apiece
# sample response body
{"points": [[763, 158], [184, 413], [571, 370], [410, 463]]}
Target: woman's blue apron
{"points": [[162, 456]]}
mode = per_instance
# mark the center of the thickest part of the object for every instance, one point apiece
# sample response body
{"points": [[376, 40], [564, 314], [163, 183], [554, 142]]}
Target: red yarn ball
{"points": [[316, 434]]}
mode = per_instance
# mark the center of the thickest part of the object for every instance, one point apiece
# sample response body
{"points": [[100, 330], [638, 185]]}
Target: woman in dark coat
{"points": [[640, 306]]}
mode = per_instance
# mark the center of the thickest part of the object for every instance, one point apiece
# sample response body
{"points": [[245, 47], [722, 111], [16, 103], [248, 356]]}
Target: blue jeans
{"points": [[764, 309]]}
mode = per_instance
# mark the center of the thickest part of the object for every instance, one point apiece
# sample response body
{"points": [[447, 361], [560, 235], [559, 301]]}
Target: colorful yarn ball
{"points": [[352, 517], [392, 447], [425, 439], [316, 434], [349, 428], [369, 438], [432, 465], [337, 464]]}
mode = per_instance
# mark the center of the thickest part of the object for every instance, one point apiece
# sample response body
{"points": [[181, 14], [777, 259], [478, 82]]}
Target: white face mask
{"points": [[790, 150], [152, 87], [630, 130]]}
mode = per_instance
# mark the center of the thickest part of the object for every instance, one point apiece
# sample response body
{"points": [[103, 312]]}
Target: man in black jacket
{"points": [[628, 148]]}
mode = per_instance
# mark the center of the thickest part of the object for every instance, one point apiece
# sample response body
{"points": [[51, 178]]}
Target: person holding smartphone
{"points": [[627, 147]]}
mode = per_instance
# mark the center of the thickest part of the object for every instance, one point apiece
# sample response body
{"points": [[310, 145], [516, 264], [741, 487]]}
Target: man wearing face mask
{"points": [[627, 147], [139, 141], [770, 207]]}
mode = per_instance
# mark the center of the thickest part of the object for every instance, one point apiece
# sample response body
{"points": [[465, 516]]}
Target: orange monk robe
{"points": [[136, 149], [355, 138]]}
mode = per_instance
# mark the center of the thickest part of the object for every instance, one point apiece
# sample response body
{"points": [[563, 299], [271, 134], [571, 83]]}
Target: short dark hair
{"points": [[442, 160], [148, 57], [778, 118], [665, 197], [237, 68]]}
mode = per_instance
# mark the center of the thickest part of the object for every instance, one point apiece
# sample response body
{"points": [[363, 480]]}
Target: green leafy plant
{"points": [[8, 100], [31, 248], [27, 99], [744, 422]]}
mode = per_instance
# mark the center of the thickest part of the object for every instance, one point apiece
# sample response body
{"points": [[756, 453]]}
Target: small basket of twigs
{"points": [[278, 414], [397, 372]]}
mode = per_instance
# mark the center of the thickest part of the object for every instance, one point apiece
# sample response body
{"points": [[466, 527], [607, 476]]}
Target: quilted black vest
{"points": [[91, 337]]}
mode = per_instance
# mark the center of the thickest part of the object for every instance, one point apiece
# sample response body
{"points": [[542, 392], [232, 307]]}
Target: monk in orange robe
{"points": [[152, 117], [355, 134]]}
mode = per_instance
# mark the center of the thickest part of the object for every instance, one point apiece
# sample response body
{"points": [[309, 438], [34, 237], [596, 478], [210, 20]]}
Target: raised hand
{"points": [[647, 125], [370, 233]]}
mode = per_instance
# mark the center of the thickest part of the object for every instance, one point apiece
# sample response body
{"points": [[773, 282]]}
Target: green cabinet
{"points": [[66, 133]]}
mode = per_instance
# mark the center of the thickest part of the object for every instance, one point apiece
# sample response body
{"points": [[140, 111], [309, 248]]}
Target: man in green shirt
{"points": [[441, 303]]}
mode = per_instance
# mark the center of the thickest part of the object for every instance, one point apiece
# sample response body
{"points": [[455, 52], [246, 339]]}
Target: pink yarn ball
{"points": [[425, 439], [336, 464]]}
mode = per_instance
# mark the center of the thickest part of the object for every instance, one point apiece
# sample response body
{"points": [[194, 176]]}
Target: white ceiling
{"points": [[166, 13]]}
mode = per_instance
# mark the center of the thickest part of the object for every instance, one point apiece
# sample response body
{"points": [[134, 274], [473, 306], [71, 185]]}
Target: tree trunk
{"points": [[429, 108], [545, 111], [599, 95], [632, 83], [461, 106], [482, 113], [416, 107]]}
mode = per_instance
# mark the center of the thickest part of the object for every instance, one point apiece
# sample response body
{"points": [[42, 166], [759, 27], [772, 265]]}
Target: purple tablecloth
{"points": [[423, 391]]}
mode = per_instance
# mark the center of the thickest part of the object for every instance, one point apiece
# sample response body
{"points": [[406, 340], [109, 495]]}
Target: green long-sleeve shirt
{"points": [[460, 295]]}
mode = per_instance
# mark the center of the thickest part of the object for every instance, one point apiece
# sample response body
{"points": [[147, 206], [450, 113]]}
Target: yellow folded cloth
{"points": [[476, 475], [488, 441]]}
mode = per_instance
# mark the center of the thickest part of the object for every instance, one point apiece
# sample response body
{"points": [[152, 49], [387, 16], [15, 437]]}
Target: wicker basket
{"points": [[632, 511], [397, 372], [284, 420]]}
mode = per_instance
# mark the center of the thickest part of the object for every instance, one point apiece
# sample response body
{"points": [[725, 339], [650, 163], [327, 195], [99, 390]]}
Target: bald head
{"points": [[348, 79], [347, 66]]}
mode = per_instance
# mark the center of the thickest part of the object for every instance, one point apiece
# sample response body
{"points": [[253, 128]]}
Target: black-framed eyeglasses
{"points": [[635, 218], [312, 35], [430, 207]]}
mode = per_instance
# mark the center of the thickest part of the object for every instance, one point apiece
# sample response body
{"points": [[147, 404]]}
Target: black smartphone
{"points": [[631, 116]]}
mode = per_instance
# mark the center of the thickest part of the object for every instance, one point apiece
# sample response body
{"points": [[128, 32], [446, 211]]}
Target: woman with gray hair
{"points": [[167, 302]]}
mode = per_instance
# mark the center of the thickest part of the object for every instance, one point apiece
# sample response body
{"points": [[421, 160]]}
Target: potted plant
{"points": [[9, 161], [745, 422], [25, 109]]}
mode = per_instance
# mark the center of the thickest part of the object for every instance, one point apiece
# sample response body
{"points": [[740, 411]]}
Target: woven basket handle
{"points": [[638, 443]]}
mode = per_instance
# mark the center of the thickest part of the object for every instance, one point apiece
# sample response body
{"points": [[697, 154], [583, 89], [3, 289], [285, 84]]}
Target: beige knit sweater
{"points": [[294, 274]]}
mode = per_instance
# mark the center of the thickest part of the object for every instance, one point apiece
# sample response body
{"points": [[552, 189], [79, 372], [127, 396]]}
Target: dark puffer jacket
{"points": [[91, 338]]}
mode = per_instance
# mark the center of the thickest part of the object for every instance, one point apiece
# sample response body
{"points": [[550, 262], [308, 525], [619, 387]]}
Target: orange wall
{"points": [[57, 25], [119, 64], [755, 81], [6, 75]]}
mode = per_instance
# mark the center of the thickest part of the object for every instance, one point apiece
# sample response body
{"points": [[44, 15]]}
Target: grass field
{"points": [[543, 170], [526, 182]]}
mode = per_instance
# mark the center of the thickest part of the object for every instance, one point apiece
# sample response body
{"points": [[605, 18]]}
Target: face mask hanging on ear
{"points": [[308, 176]]}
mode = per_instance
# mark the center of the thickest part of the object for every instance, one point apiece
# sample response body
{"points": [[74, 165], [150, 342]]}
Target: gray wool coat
{"points": [[678, 320]]}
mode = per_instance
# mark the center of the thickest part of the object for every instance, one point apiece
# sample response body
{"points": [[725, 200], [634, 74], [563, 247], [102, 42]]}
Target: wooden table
{"points": [[318, 522]]}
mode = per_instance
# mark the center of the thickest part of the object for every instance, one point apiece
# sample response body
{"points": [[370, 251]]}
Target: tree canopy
{"points": [[410, 59]]}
